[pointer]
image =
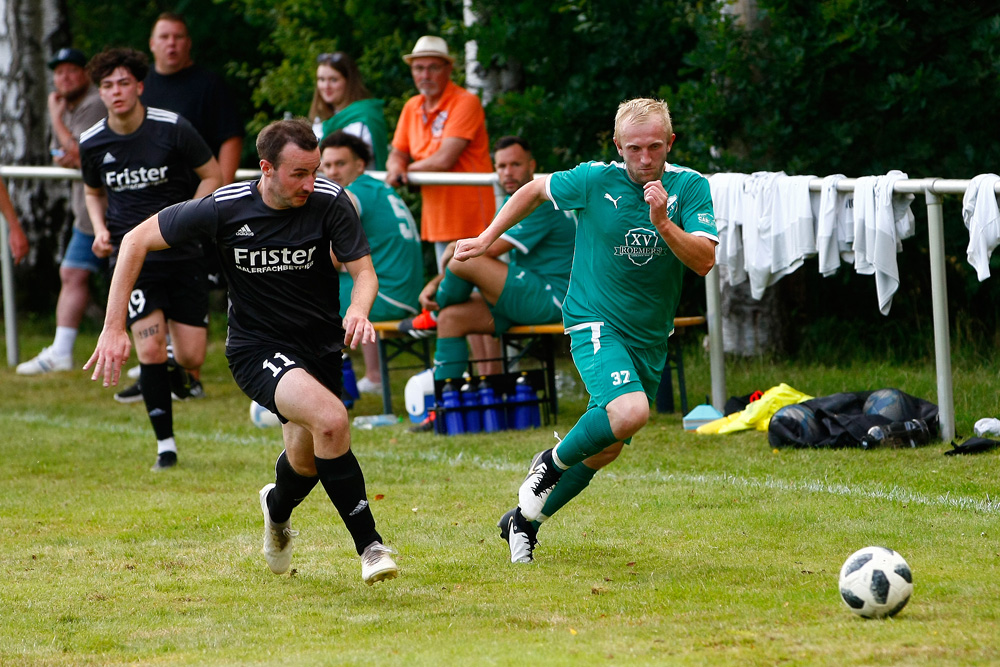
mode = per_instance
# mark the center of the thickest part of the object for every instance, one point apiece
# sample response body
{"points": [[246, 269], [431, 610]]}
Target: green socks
{"points": [[451, 358], [572, 482], [453, 289], [591, 435]]}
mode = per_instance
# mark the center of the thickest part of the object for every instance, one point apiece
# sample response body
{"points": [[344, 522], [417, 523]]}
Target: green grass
{"points": [[688, 550]]}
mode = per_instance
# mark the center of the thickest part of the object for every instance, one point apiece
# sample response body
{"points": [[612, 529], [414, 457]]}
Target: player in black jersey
{"points": [[275, 237], [135, 162]]}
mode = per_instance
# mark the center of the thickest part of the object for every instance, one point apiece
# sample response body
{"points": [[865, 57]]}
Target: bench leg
{"points": [[665, 394], [383, 365]]}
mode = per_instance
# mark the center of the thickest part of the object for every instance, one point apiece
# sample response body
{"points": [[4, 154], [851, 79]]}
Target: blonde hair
{"points": [[640, 110]]}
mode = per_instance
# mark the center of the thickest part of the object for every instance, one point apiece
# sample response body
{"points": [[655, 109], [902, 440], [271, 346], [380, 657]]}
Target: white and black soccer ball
{"points": [[261, 416], [875, 582]]}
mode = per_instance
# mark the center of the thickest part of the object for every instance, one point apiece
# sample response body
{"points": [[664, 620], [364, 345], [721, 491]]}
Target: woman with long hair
{"points": [[342, 102]]}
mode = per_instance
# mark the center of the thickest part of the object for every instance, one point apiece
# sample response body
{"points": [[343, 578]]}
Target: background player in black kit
{"points": [[135, 162], [275, 237]]}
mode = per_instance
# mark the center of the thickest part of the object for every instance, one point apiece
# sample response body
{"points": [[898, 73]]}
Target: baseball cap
{"points": [[430, 46], [68, 56]]}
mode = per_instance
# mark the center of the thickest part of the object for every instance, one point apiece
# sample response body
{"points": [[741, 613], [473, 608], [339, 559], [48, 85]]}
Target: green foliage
{"points": [[298, 31], [846, 86], [573, 62]]}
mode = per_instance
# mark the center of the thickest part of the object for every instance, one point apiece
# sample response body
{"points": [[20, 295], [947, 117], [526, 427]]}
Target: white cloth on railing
{"points": [[834, 217], [758, 228], [982, 218], [881, 220], [728, 200], [793, 235]]}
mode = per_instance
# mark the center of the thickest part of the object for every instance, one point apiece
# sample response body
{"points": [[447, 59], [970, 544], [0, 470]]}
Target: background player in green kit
{"points": [[530, 290], [640, 223], [392, 235]]}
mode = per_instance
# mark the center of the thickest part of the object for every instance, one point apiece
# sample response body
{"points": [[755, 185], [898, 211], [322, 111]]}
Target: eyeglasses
{"points": [[329, 57], [435, 68]]}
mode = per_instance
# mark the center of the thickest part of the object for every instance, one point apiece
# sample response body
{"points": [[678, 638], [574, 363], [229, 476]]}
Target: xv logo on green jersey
{"points": [[640, 246]]}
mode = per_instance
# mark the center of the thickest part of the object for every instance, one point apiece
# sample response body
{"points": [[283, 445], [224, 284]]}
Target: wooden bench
{"points": [[533, 341]]}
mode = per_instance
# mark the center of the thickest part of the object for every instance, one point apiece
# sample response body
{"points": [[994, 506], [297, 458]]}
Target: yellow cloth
{"points": [[756, 415]]}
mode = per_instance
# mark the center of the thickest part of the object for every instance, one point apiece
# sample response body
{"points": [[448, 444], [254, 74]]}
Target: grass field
{"points": [[687, 551]]}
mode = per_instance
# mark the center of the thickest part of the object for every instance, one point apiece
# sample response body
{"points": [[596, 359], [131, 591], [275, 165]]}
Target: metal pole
{"points": [[9, 311], [939, 299], [716, 353]]}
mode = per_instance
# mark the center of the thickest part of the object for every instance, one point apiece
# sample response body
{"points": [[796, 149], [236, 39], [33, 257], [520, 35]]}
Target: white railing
{"points": [[932, 189]]}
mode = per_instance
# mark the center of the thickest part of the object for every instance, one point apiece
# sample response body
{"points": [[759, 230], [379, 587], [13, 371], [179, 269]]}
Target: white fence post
{"points": [[939, 300]]}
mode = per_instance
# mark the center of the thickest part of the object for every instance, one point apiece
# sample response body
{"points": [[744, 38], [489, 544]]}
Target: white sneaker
{"points": [[277, 547], [520, 536], [542, 478], [45, 362], [377, 563], [366, 386]]}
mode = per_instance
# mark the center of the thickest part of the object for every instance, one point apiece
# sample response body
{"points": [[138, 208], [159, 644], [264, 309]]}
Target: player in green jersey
{"points": [[640, 223]]}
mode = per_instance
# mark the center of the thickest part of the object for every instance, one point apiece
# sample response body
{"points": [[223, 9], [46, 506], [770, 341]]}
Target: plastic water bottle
{"points": [[470, 404], [910, 433], [452, 404], [350, 383], [526, 413], [368, 422], [493, 420]]}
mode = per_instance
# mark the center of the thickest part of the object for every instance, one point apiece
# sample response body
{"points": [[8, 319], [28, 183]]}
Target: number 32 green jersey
{"points": [[624, 274]]}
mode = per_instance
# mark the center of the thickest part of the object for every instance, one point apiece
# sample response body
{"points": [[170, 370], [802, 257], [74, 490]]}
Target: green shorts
{"points": [[526, 299], [610, 367], [383, 310]]}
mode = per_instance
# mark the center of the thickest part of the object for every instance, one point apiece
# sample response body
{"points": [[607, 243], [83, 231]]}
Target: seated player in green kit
{"points": [[528, 290]]}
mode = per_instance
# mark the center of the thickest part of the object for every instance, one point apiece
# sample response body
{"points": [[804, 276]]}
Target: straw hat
{"points": [[430, 46]]}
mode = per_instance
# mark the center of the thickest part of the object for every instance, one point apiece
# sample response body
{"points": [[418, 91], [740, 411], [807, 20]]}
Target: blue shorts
{"points": [[80, 254]]}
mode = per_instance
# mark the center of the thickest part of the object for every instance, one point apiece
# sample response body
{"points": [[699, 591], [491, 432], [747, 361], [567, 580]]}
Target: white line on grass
{"points": [[871, 491]]}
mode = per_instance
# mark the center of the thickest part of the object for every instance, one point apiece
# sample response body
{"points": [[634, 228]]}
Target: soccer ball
{"points": [[890, 403], [875, 582], [800, 421], [261, 416]]}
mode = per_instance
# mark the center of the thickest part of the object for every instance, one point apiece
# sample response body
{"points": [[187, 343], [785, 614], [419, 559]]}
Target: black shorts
{"points": [[178, 288], [258, 369]]}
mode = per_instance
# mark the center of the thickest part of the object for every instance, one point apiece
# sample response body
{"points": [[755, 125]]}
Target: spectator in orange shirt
{"points": [[442, 129]]}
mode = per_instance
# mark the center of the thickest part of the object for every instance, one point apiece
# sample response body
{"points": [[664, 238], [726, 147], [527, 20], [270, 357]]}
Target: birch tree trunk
{"points": [[30, 31]]}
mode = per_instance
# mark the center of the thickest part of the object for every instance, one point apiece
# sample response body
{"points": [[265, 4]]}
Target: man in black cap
{"points": [[74, 106]]}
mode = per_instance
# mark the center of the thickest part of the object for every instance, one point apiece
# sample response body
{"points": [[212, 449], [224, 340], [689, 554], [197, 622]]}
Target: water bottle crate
{"points": [[504, 387]]}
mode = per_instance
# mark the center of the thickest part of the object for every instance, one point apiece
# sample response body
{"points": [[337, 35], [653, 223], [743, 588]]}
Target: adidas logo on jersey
{"points": [[244, 231], [108, 158]]}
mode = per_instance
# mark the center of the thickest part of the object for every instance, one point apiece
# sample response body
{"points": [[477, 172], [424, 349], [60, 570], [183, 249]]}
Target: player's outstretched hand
{"points": [[469, 248], [357, 330], [109, 356]]}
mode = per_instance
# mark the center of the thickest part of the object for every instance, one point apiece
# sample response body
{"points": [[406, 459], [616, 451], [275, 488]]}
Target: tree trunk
{"points": [[30, 31]]}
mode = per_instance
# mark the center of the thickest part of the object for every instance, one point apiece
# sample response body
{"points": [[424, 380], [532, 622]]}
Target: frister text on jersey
{"points": [[272, 259], [135, 179]]}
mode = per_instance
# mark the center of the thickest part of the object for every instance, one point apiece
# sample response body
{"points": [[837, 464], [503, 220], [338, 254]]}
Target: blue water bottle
{"points": [[525, 404], [492, 407], [452, 403], [470, 405], [350, 392]]}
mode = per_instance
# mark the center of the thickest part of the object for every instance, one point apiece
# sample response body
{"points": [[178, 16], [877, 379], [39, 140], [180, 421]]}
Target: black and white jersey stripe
{"points": [[93, 129], [233, 191], [162, 115]]}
